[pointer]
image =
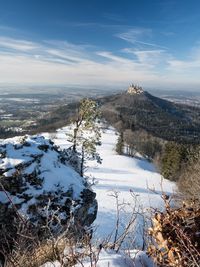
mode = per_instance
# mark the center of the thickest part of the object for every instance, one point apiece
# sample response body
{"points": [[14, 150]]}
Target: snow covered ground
{"points": [[110, 258], [135, 181], [130, 177]]}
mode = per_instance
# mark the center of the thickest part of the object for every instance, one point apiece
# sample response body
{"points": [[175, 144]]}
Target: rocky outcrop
{"points": [[40, 185]]}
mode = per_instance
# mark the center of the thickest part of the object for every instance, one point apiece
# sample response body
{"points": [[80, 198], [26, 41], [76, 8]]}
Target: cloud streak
{"points": [[138, 36], [19, 45], [61, 62]]}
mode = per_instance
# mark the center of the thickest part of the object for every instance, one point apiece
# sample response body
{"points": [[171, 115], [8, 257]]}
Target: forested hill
{"points": [[157, 116]]}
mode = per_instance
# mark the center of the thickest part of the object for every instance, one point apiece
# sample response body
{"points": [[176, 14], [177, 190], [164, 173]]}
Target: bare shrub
{"points": [[189, 182], [71, 245], [175, 236], [67, 248]]}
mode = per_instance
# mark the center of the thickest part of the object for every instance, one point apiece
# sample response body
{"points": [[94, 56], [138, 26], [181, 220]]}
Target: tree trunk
{"points": [[82, 161], [75, 139]]}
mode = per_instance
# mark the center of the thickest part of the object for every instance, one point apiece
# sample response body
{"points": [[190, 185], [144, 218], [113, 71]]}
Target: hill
{"points": [[135, 110], [161, 118]]}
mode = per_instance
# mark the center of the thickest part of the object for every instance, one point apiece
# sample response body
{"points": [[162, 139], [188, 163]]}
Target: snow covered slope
{"points": [[130, 177]]}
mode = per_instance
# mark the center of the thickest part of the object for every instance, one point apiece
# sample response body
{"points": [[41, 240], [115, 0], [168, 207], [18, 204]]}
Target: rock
{"points": [[87, 213]]}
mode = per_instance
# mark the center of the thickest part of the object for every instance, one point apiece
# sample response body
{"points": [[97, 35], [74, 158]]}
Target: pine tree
{"points": [[86, 132], [120, 144], [173, 159]]}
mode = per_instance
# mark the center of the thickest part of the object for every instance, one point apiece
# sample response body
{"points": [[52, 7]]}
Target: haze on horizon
{"points": [[100, 43]]}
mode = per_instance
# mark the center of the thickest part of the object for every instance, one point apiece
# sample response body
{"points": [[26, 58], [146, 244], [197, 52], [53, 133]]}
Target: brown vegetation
{"points": [[175, 236], [189, 182]]}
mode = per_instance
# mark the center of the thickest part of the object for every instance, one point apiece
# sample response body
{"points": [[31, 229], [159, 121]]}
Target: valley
{"points": [[22, 111]]}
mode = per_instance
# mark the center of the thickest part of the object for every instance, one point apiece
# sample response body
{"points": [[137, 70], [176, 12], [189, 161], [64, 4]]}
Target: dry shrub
{"points": [[189, 182], [28, 250], [176, 236], [72, 244], [65, 249]]}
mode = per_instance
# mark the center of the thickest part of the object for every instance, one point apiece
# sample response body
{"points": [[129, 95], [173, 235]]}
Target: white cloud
{"points": [[191, 64], [58, 62], [148, 57], [113, 58], [134, 34], [138, 36], [182, 65], [20, 45], [29, 69]]}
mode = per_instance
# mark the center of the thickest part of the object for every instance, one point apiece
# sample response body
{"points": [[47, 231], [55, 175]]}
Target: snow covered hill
{"points": [[44, 172], [130, 177]]}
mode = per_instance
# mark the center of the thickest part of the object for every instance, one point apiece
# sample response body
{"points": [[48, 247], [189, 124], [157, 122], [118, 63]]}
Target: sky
{"points": [[109, 43]]}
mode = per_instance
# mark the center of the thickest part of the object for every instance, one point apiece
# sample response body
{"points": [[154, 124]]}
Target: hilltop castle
{"points": [[134, 89]]}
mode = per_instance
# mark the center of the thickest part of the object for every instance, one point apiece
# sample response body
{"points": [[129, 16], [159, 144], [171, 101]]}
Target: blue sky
{"points": [[100, 43]]}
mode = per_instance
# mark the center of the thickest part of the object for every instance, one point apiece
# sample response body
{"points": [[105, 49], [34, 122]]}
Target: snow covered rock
{"points": [[39, 183]]}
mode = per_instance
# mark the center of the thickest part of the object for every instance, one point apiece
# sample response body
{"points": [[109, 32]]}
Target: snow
{"points": [[50, 169], [130, 177], [52, 264], [109, 258]]}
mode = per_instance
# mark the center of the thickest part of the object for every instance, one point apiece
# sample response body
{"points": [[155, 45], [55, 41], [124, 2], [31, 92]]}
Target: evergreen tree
{"points": [[89, 141], [120, 144], [86, 132], [173, 159]]}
